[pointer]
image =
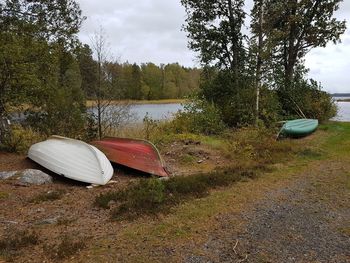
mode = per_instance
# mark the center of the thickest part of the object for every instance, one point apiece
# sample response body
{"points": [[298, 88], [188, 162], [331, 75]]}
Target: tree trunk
{"points": [[99, 122], [259, 60]]}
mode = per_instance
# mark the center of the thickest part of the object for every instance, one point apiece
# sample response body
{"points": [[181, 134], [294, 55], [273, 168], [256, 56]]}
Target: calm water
{"points": [[156, 111], [166, 111], [343, 111]]}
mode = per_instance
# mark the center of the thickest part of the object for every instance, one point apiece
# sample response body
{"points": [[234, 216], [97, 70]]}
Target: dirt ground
{"points": [[302, 217]]}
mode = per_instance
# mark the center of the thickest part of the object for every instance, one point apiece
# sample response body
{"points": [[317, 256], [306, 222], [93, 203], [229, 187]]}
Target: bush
{"points": [[20, 139], [48, 196], [67, 247], [15, 239], [198, 116], [234, 98], [306, 97], [153, 196]]}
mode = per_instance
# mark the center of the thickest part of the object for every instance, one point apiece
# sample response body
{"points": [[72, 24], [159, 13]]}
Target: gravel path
{"points": [[301, 222]]}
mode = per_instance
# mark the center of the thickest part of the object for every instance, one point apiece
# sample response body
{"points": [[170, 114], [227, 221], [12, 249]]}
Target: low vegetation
{"points": [[67, 247], [251, 151], [152, 196], [14, 240], [48, 196]]}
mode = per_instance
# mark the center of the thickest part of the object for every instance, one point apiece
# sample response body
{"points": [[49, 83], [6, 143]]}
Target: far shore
{"points": [[91, 103], [344, 100]]}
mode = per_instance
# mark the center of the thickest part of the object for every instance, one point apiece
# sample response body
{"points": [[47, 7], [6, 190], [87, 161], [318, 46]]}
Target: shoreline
{"points": [[90, 103]]}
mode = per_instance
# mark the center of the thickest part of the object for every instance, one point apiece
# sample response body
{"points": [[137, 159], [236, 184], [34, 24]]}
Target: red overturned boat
{"points": [[137, 154]]}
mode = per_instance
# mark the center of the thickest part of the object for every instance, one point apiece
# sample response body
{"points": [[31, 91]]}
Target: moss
{"points": [[4, 195]]}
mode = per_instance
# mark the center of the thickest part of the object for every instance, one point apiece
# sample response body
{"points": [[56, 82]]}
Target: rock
{"points": [[111, 203], [34, 177], [6, 175], [27, 177], [200, 161]]}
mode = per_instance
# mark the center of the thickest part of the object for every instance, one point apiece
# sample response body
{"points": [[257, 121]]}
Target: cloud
{"points": [[150, 31], [139, 31]]}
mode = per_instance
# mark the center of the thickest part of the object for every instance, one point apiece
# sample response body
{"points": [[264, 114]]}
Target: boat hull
{"points": [[73, 159], [137, 154], [299, 127]]}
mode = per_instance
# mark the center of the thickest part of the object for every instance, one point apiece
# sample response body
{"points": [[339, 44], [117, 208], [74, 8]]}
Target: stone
{"points": [[33, 177], [49, 221], [6, 175]]}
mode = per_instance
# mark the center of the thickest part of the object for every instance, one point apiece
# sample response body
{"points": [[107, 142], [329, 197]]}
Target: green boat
{"points": [[299, 127]]}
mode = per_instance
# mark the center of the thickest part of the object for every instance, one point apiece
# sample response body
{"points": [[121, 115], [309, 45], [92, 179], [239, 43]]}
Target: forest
{"points": [[255, 78]]}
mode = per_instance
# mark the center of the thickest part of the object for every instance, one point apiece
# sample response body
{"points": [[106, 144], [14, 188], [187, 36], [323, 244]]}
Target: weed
{"points": [[153, 196], [20, 139], [67, 247], [48, 196], [186, 159], [4, 195], [310, 154], [15, 240]]}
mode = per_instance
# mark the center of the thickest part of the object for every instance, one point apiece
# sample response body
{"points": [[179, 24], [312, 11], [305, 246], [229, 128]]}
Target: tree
{"points": [[257, 30], [88, 69], [295, 27], [214, 30], [29, 31], [110, 114]]}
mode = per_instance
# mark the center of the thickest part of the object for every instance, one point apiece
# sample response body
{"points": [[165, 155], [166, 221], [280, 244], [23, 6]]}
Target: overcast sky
{"points": [[150, 31]]}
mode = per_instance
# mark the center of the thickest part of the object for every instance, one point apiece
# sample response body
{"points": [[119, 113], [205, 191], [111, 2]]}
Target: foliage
{"points": [[214, 30], [306, 98], [292, 28], [149, 126], [29, 32], [233, 97], [20, 139], [198, 116], [152, 196]]}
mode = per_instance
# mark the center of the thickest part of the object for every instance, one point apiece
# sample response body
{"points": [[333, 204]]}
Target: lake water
{"points": [[156, 111], [343, 111], [166, 111]]}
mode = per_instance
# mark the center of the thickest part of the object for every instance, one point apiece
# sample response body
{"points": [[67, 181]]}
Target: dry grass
{"points": [[67, 247], [48, 196], [14, 240]]}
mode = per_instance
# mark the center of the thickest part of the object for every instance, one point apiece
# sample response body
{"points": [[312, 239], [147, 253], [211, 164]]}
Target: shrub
{"points": [[306, 97], [20, 139], [67, 247], [48, 196], [15, 239], [198, 116], [153, 196]]}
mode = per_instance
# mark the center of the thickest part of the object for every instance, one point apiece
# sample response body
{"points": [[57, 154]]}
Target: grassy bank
{"points": [[151, 220], [191, 221]]}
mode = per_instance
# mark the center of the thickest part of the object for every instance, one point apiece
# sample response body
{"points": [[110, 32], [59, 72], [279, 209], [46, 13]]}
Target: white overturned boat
{"points": [[73, 159]]}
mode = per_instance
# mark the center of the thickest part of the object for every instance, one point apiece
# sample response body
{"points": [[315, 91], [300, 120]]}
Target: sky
{"points": [[150, 31]]}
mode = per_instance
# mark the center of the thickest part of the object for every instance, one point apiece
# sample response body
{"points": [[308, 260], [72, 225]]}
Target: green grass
{"points": [[4, 195]]}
